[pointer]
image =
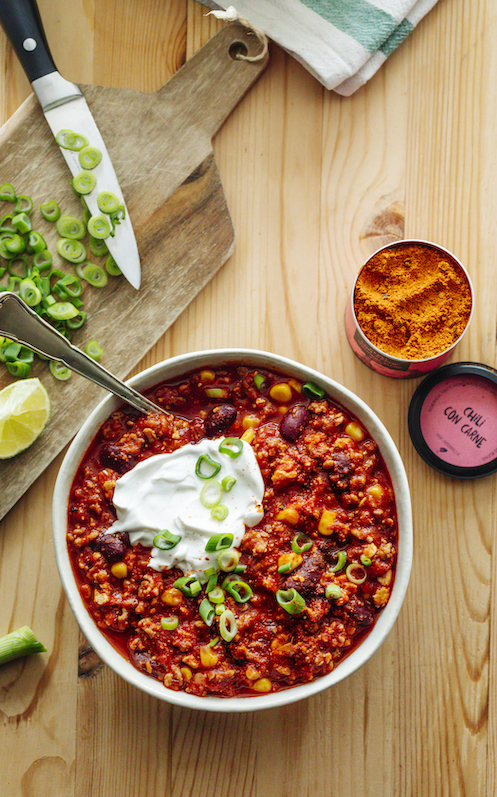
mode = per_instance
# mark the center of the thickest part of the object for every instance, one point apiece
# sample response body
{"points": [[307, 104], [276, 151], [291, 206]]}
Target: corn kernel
{"points": [[207, 377], [295, 385], [251, 422], [119, 570], [326, 522], [281, 392], [294, 560], [172, 597], [207, 656], [376, 491], [262, 685], [248, 435], [355, 431], [289, 515], [186, 673]]}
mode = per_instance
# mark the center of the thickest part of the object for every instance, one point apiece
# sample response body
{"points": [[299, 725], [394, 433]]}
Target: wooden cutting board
{"points": [[161, 148]]}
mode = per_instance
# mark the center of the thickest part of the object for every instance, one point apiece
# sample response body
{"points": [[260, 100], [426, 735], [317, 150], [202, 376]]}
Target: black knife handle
{"points": [[22, 23]]}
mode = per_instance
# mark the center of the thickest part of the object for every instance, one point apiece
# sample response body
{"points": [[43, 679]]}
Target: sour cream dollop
{"points": [[163, 492]]}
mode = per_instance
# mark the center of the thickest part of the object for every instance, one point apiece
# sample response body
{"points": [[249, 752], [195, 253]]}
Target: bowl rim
{"points": [[170, 368]]}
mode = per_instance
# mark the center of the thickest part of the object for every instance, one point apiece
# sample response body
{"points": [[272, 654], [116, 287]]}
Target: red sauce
{"points": [[324, 477]]}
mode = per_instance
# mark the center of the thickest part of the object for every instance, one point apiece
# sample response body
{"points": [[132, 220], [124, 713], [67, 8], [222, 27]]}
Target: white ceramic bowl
{"points": [[172, 368]]}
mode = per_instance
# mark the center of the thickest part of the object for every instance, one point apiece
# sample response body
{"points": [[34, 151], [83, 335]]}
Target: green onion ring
{"points": [[19, 369], [165, 541], [219, 512], [50, 210], [108, 202], [259, 381], [70, 227], [218, 542], [24, 204], [313, 391], [22, 222], [216, 595], [227, 625], [340, 562], [290, 600], [188, 585], [169, 623], [111, 266], [333, 592], [93, 350], [232, 446], [67, 139], [206, 467], [210, 494], [228, 483], [239, 590], [99, 226], [301, 543], [207, 612], [89, 157], [71, 250], [350, 573], [84, 182], [59, 371], [228, 559], [7, 193], [29, 292], [365, 560], [93, 274]]}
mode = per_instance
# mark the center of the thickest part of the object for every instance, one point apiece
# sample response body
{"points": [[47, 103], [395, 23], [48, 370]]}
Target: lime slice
{"points": [[24, 412]]}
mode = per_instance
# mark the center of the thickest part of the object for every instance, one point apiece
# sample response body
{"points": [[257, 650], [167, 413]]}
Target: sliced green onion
{"points": [[313, 391], [259, 381], [227, 625], [290, 600], [36, 243], [9, 351], [340, 562], [240, 569], [24, 204], [42, 260], [108, 202], [118, 215], [70, 285], [219, 512], [21, 262], [239, 590], [30, 292], [93, 274], [89, 157], [229, 578], [188, 585], [216, 595], [22, 222], [206, 467], [232, 446], [19, 643], [7, 193], [213, 642], [111, 267], [61, 311], [219, 542], [207, 611], [287, 567], [99, 226], [70, 227], [25, 355], [84, 182], [166, 540], [6, 223], [169, 623], [365, 560], [50, 210], [210, 494], [19, 369], [60, 371], [78, 321], [73, 251], [228, 483], [220, 609], [70, 140], [93, 350], [215, 392], [333, 592], [228, 559], [98, 248], [212, 582], [15, 244], [301, 542], [356, 579]]}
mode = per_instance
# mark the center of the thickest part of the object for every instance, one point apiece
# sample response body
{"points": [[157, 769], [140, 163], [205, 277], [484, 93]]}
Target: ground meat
{"points": [[306, 578]]}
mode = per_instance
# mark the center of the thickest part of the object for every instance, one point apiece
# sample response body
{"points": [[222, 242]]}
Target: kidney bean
{"points": [[219, 419], [112, 546], [293, 422], [111, 456]]}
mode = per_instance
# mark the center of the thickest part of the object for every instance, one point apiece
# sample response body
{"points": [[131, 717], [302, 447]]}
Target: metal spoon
{"points": [[20, 323]]}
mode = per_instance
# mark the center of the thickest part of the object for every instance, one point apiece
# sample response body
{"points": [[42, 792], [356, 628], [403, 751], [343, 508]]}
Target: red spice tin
{"points": [[380, 361]]}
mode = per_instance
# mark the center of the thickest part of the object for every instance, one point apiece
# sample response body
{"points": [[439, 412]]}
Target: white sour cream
{"points": [[163, 492]]}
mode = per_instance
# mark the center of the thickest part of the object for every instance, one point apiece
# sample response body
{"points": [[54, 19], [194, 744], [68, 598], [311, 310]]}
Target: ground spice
{"points": [[412, 301]]}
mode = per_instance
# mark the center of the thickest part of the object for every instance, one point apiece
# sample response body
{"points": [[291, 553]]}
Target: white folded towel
{"points": [[341, 42]]}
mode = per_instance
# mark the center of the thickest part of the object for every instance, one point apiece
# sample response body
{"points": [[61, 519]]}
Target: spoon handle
{"points": [[22, 324]]}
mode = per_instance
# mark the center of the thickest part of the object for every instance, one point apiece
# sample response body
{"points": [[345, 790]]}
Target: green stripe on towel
{"points": [[364, 22], [397, 37]]}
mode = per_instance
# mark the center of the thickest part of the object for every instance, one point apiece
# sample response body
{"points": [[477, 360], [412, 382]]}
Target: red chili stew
{"points": [[320, 565]]}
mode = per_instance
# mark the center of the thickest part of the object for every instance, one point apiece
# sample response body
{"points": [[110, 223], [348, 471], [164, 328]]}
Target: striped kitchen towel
{"points": [[341, 42]]}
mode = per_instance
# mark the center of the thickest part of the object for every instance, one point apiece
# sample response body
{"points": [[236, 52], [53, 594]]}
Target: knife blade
{"points": [[65, 108]]}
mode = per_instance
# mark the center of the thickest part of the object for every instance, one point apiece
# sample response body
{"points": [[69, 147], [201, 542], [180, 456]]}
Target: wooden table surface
{"points": [[315, 183]]}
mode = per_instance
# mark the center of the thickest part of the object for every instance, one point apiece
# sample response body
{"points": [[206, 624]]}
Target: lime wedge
{"points": [[24, 413]]}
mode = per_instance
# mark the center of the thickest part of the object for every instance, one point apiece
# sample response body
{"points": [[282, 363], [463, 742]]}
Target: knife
{"points": [[65, 108]]}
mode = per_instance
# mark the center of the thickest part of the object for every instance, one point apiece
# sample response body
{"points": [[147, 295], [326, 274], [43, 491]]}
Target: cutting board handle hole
{"points": [[237, 49]]}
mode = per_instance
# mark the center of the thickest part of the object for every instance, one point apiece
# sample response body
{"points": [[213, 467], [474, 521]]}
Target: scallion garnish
{"points": [[216, 595], [313, 391], [19, 643], [259, 381], [99, 226], [89, 157], [60, 371], [340, 562], [301, 543], [207, 611], [166, 540], [188, 585], [356, 573], [232, 446], [22, 222], [111, 267], [50, 210], [218, 542], [290, 600], [93, 350], [206, 467], [219, 512], [210, 494], [70, 227], [228, 559], [228, 483], [24, 204], [239, 590], [7, 193], [94, 275], [70, 140], [84, 182], [333, 592], [71, 250], [227, 625], [169, 623], [108, 202]]}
